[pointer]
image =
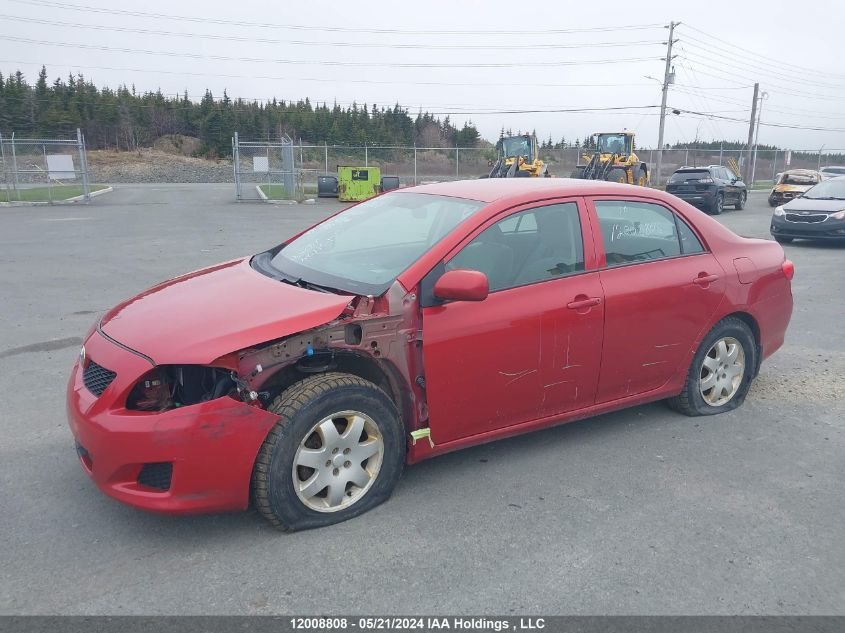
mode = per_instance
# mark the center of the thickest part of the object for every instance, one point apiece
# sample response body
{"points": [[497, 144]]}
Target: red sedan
{"points": [[416, 323]]}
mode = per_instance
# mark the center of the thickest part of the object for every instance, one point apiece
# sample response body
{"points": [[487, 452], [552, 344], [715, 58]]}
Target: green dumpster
{"points": [[357, 183]]}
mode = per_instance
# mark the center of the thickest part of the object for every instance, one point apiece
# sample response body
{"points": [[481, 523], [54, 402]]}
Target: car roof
{"points": [[492, 189], [802, 172]]}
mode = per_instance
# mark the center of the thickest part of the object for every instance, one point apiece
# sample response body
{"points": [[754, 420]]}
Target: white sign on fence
{"points": [[788, 158], [260, 164], [60, 167]]}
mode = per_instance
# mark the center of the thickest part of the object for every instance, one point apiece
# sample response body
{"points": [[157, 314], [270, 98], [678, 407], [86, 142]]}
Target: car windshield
{"points": [[833, 189], [798, 179], [363, 249], [612, 144], [689, 174], [516, 146]]}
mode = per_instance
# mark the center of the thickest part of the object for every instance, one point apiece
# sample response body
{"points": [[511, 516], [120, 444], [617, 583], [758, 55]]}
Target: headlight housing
{"points": [[171, 386], [839, 215], [779, 211]]}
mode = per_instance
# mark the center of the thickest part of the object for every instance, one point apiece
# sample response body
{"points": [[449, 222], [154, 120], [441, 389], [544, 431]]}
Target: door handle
{"points": [[582, 301], [705, 280]]}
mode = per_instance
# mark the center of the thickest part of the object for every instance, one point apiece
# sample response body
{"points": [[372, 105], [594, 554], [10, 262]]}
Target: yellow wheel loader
{"points": [[614, 160], [518, 158]]}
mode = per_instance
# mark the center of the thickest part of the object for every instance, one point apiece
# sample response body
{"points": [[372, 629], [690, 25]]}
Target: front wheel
{"points": [[337, 452], [721, 371], [740, 202]]}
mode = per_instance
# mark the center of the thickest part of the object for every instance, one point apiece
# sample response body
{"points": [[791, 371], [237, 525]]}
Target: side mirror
{"points": [[462, 285]]}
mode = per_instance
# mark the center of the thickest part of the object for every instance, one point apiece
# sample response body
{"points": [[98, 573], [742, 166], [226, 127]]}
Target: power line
{"points": [[310, 62], [803, 69], [300, 27], [769, 124], [260, 40], [331, 80], [740, 64], [780, 87]]}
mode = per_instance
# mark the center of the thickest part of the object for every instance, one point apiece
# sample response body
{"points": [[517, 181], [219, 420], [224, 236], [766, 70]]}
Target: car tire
{"points": [[617, 174], [718, 204], [319, 417], [715, 383], [773, 202], [783, 240], [740, 202]]}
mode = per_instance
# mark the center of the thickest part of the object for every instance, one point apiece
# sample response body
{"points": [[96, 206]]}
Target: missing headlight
{"points": [[170, 386]]}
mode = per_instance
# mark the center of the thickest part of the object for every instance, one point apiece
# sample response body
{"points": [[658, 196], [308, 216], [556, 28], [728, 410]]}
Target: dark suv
{"points": [[710, 188]]}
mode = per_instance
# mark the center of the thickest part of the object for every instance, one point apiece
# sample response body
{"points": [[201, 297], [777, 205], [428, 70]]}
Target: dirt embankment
{"points": [[155, 165]]}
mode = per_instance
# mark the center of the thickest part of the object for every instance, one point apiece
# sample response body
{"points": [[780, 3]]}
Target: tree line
{"points": [[127, 119]]}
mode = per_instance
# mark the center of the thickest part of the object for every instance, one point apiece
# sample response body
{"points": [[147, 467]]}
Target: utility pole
{"points": [[763, 97], [666, 79], [751, 134]]}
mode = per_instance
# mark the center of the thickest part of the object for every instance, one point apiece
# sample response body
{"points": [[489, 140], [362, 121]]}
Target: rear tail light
{"points": [[705, 181], [788, 269]]}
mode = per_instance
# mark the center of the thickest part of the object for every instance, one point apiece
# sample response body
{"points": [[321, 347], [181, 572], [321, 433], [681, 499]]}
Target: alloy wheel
{"points": [[337, 461]]}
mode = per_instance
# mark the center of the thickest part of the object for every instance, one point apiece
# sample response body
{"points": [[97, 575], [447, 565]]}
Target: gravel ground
{"points": [[641, 511]]}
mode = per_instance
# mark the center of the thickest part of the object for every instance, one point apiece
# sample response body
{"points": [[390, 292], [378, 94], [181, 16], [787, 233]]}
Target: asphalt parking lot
{"points": [[642, 511]]}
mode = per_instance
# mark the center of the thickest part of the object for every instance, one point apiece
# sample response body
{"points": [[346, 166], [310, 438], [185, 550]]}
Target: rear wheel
{"points": [[718, 204], [783, 240], [740, 202], [337, 452], [721, 371]]}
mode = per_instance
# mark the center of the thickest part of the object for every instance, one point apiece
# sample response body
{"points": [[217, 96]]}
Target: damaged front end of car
{"points": [[376, 338]]}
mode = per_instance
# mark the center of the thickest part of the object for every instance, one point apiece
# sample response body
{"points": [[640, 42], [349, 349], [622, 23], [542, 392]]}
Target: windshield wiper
{"points": [[308, 285]]}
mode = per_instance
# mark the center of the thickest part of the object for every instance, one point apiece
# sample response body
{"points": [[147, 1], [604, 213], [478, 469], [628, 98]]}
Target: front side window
{"points": [[640, 231], [364, 248], [526, 247]]}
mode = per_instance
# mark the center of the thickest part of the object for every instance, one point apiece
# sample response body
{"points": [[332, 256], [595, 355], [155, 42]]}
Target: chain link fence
{"points": [[44, 170], [267, 170], [289, 170]]}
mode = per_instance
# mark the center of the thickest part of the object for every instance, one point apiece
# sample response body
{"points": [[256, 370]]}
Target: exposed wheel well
{"points": [[380, 373]]}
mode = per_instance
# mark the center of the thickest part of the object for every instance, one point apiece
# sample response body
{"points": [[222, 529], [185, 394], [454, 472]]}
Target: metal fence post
{"points": [[415, 163], [15, 169], [326, 149], [721, 151], [366, 157], [5, 170], [83, 164], [236, 159], [457, 170], [774, 165], [47, 173]]}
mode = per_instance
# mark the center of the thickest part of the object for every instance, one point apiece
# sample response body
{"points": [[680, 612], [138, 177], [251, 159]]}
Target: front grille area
{"points": [[156, 475], [809, 219], [97, 378]]}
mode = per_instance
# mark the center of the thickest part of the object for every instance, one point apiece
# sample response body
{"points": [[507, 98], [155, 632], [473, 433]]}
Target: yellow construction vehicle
{"points": [[518, 157], [614, 160]]}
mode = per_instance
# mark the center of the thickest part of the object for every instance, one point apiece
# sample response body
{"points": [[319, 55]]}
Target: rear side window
{"points": [[640, 231], [689, 174]]}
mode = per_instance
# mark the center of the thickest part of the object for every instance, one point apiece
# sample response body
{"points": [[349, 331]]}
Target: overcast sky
{"points": [[514, 56]]}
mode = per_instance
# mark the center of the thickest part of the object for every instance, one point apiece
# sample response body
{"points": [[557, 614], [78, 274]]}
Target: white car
{"points": [[832, 172]]}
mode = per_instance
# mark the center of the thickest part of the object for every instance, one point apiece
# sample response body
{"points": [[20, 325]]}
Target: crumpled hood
{"points": [[798, 188], [201, 316]]}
